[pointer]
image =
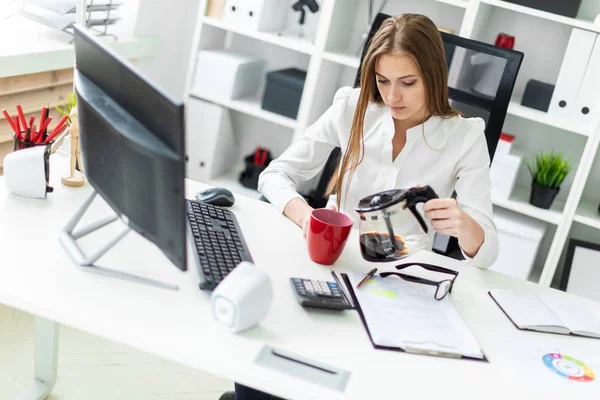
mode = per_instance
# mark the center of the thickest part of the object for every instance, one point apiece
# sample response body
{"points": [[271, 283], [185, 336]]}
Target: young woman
{"points": [[396, 131]]}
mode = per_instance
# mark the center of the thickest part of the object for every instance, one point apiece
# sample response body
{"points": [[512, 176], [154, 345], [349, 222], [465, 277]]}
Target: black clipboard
{"points": [[399, 349]]}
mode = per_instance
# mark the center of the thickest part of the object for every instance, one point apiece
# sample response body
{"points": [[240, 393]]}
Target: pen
{"points": [[263, 157], [41, 137], [367, 277], [17, 124], [22, 118], [43, 116], [45, 135], [10, 121], [55, 133]]}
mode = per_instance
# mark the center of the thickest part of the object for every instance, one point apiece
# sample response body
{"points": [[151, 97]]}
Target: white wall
{"points": [[173, 24]]}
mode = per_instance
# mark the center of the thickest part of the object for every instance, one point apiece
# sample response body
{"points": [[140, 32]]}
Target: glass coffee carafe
{"points": [[391, 228]]}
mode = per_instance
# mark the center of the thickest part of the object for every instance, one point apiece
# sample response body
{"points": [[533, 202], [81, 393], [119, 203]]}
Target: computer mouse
{"points": [[217, 196]]}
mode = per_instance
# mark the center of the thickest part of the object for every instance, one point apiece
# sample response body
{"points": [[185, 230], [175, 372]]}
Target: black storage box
{"points": [[537, 95], [568, 8], [284, 91]]}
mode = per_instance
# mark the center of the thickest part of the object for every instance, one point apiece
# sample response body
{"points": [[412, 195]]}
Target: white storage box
{"points": [[228, 75], [505, 143], [503, 174], [519, 238], [257, 15], [210, 143]]}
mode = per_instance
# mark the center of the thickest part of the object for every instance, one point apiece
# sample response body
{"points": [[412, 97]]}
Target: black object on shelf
{"points": [[542, 196], [284, 91], [537, 95], [312, 5], [255, 163], [568, 8]]}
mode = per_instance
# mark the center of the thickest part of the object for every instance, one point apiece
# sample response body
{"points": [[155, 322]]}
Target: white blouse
{"points": [[458, 160]]}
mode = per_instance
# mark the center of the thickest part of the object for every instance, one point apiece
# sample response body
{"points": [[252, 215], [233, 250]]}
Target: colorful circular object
{"points": [[568, 367]]}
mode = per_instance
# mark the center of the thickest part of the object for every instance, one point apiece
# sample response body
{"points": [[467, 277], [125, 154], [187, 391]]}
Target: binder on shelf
{"points": [[210, 144], [585, 112], [572, 70]]}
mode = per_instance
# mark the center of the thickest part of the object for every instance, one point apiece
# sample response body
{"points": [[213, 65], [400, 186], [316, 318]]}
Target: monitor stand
{"points": [[68, 237]]}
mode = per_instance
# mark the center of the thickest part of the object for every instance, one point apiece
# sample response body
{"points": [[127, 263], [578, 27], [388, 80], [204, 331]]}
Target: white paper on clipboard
{"points": [[406, 315]]}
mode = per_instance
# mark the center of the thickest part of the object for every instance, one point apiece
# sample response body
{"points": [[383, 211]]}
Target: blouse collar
{"points": [[413, 133]]}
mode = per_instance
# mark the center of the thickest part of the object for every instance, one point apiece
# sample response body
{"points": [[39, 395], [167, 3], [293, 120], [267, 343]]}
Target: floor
{"points": [[92, 368]]}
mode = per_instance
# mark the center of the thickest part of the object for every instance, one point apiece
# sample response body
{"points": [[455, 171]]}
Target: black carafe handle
{"points": [[419, 195]]}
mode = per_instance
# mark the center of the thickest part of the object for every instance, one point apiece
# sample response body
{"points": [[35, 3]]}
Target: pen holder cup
{"points": [[249, 177], [27, 172], [22, 144]]}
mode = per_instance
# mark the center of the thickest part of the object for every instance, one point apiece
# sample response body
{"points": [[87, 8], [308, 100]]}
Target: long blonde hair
{"points": [[416, 36]]}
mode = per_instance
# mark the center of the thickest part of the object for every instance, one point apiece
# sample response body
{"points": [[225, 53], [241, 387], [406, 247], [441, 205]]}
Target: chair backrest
{"points": [[481, 78]]}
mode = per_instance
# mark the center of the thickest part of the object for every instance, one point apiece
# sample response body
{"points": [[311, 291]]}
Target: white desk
{"points": [[38, 277]]}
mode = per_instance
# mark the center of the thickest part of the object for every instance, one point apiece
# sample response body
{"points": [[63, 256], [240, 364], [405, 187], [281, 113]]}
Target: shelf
{"points": [[230, 181], [587, 214], [250, 106], [292, 43], [456, 3], [519, 202], [578, 23], [41, 48], [515, 108], [346, 59]]}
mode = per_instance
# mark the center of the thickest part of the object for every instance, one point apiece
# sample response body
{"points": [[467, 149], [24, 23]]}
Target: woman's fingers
{"points": [[305, 228]]}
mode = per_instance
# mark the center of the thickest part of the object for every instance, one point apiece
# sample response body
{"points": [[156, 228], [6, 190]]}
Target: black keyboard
{"points": [[218, 240]]}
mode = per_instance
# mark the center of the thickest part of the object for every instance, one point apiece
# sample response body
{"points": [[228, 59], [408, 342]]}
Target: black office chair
{"points": [[481, 81]]}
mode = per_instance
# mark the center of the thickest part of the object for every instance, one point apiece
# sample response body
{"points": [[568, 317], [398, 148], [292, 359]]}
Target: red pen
{"points": [[31, 120], [22, 118], [60, 124], [54, 134], [32, 136], [263, 158], [256, 155], [18, 128], [43, 116], [10, 121], [43, 129]]}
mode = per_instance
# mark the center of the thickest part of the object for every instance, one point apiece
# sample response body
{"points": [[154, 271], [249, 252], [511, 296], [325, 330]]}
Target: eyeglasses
{"points": [[442, 287]]}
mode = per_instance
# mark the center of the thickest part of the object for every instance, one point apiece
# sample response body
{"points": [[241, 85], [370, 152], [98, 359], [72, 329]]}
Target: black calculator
{"points": [[320, 294]]}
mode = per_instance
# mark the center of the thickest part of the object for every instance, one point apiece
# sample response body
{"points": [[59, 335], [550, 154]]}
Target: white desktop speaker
{"points": [[243, 298], [26, 171]]}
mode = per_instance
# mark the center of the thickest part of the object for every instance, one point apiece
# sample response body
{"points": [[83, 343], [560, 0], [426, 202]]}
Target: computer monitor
{"points": [[132, 145]]}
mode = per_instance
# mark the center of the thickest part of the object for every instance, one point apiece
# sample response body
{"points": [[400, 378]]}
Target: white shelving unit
{"points": [[331, 59], [515, 108], [587, 214], [574, 22], [519, 202], [252, 106], [292, 43]]}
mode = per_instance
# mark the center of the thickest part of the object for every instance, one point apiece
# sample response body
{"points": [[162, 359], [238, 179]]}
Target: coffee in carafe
{"points": [[379, 247], [391, 228]]}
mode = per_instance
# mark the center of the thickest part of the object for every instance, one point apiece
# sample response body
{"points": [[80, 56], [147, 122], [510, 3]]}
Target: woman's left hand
{"points": [[446, 216]]}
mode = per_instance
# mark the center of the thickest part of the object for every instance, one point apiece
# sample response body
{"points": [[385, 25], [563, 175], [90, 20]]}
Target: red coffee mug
{"points": [[327, 235]]}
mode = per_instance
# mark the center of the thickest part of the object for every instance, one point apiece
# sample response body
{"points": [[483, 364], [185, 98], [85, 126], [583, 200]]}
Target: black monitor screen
{"points": [[132, 145]]}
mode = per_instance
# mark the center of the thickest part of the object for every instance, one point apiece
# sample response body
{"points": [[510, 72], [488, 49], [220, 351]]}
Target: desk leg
{"points": [[46, 361]]}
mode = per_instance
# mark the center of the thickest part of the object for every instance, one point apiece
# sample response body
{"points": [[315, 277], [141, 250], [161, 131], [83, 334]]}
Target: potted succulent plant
{"points": [[548, 171]]}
